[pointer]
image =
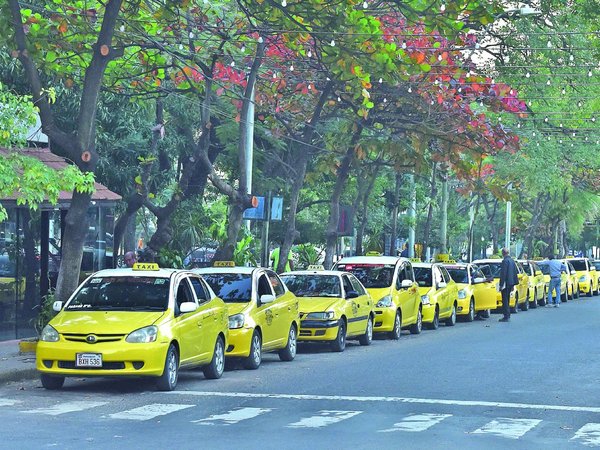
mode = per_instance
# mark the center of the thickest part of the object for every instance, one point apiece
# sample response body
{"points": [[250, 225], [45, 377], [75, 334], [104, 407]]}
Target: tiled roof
{"points": [[101, 193]]}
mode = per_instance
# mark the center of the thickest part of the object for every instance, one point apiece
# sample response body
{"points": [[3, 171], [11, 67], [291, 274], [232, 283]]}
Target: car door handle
{"points": [[289, 308], [199, 323]]}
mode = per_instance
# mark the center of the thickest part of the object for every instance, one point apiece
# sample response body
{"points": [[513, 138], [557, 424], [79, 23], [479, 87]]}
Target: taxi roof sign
{"points": [[316, 267], [224, 264], [145, 266], [372, 254]]}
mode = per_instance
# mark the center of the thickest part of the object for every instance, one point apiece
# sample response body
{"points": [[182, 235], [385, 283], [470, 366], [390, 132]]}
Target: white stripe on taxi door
{"points": [[148, 412], [589, 434], [323, 419], [417, 422], [508, 428], [233, 416], [66, 407]]}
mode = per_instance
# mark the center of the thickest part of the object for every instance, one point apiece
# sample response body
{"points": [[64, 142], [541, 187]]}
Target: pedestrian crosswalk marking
{"points": [[417, 422], [323, 419], [508, 428], [7, 402], [148, 412], [233, 417], [66, 407], [589, 434]]}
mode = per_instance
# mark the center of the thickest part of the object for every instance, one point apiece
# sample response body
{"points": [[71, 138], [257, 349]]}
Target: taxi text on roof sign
{"points": [[224, 264], [145, 266], [373, 254], [316, 267]]}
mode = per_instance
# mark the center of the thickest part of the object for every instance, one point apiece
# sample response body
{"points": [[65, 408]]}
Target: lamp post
{"points": [[508, 219]]}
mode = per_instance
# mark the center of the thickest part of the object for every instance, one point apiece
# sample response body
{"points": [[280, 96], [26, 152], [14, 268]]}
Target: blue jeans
{"points": [[554, 284]]}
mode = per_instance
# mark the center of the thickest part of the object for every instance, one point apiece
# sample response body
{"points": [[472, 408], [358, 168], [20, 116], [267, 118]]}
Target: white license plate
{"points": [[88, 360]]}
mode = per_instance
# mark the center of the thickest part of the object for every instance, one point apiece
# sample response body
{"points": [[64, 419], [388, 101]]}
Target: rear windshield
{"points": [[231, 287], [579, 264], [423, 276], [313, 285], [122, 294], [370, 275], [459, 275]]}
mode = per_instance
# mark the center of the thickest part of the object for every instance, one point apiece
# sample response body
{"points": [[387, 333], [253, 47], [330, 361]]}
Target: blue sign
{"points": [[257, 213], [277, 208]]}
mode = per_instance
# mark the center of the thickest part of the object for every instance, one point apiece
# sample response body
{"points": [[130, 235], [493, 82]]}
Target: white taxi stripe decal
{"points": [[7, 402], [148, 412], [508, 428], [232, 417], [417, 422], [323, 419], [589, 434], [66, 407]]}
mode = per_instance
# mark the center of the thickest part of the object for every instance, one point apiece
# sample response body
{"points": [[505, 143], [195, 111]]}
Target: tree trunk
{"points": [[234, 224], [491, 216], [432, 196]]}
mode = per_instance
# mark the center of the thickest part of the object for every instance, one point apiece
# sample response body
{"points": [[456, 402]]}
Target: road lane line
{"points": [[233, 416], [589, 434], [66, 407], [428, 401], [507, 428], [7, 402], [148, 412], [323, 419], [417, 422]]}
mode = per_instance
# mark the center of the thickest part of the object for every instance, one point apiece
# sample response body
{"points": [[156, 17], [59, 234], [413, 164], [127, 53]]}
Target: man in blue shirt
{"points": [[555, 268]]}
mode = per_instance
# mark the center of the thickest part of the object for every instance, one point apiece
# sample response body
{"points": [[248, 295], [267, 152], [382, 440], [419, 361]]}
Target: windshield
{"points": [[579, 264], [423, 276], [370, 275], [596, 264], [458, 274], [122, 294], [313, 285], [7, 267], [231, 287]]}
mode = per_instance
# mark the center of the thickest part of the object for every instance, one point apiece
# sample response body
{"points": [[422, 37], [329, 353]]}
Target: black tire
{"points": [[534, 303], [397, 330], [435, 324], [217, 365], [168, 380], [339, 344], [564, 297], [542, 302], [451, 321], [253, 360], [470, 317], [417, 327], [52, 382], [367, 338], [288, 353], [525, 305]]}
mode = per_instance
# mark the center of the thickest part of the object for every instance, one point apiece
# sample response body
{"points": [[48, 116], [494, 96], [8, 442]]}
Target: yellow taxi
{"points": [[390, 282], [563, 281], [586, 277], [334, 307], [143, 321], [439, 294], [518, 296], [263, 313], [537, 283], [595, 273], [573, 287], [476, 293]]}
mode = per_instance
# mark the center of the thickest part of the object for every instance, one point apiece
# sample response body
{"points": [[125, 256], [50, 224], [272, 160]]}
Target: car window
{"points": [[477, 273], [264, 287], [445, 274], [199, 289], [184, 294], [459, 274], [276, 283], [358, 287], [231, 287], [423, 276], [347, 285], [579, 264], [409, 273]]}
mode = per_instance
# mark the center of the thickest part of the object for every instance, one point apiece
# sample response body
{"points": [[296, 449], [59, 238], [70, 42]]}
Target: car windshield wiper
{"points": [[146, 308]]}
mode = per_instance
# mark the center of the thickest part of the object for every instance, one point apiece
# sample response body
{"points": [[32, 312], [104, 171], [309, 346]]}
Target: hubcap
{"points": [[370, 329], [342, 336], [454, 314], [172, 368], [436, 319], [420, 321], [472, 309], [256, 349], [219, 356], [397, 325], [293, 341]]}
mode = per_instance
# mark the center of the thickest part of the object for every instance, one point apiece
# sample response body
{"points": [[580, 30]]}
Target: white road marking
{"points": [[417, 422], [148, 412], [7, 402], [323, 419], [429, 401], [234, 416], [508, 428], [66, 407], [589, 434]]}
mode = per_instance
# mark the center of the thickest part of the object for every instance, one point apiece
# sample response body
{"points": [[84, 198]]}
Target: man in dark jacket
{"points": [[508, 280]]}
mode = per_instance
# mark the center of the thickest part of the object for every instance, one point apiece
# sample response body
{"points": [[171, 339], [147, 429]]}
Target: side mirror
{"points": [[406, 283], [187, 307], [267, 298], [538, 272], [57, 305], [351, 294], [478, 280], [442, 285], [573, 272]]}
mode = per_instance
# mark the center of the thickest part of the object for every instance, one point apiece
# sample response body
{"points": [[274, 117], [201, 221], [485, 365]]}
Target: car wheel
{"points": [[417, 327], [288, 353], [168, 380], [542, 301], [486, 314], [525, 305], [339, 344], [397, 330], [253, 360], [564, 297], [367, 338], [216, 367], [52, 382], [435, 324], [451, 321], [470, 317], [534, 303]]}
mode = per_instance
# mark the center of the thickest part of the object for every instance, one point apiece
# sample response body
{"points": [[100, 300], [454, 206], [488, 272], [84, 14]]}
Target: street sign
{"points": [[257, 213], [277, 208]]}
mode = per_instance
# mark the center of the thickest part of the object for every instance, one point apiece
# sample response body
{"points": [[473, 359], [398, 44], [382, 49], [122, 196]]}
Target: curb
{"points": [[18, 375]]}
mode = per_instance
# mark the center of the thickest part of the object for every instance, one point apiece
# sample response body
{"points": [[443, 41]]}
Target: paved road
{"points": [[532, 383]]}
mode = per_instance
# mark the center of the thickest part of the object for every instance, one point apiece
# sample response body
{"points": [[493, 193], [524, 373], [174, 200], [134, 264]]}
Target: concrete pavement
{"points": [[14, 365]]}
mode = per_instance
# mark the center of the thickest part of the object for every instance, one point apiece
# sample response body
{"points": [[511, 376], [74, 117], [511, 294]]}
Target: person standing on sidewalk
{"points": [[508, 280], [555, 269]]}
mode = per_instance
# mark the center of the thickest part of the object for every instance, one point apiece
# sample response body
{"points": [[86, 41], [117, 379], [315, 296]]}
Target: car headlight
{"points": [[327, 315], [582, 278], [425, 299], [49, 334], [143, 335], [384, 302], [462, 293], [236, 321]]}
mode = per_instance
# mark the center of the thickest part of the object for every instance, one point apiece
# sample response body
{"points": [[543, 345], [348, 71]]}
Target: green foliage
{"points": [[246, 250], [17, 114], [170, 259], [45, 313], [307, 254]]}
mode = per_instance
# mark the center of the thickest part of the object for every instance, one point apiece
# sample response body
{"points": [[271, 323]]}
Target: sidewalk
{"points": [[13, 365]]}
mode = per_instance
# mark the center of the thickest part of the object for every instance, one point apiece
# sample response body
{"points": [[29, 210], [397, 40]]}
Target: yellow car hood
{"points": [[104, 322], [378, 293], [316, 304], [237, 308], [425, 290]]}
